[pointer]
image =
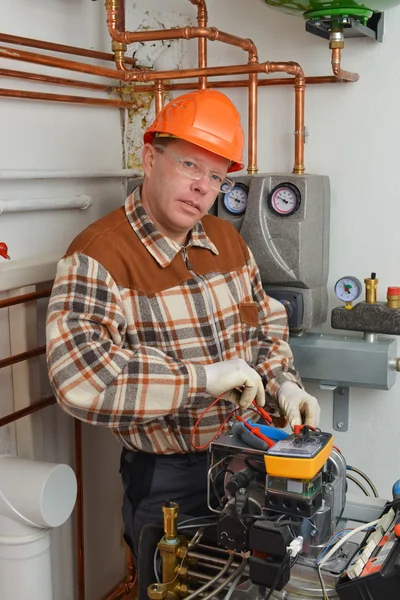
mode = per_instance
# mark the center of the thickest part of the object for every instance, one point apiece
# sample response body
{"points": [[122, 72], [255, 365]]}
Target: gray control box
{"points": [[284, 219]]}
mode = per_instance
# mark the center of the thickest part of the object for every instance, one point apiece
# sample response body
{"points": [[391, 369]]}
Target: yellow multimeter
{"points": [[299, 456]]}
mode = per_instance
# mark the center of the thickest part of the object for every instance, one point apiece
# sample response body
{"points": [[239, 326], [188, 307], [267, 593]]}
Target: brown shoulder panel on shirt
{"points": [[112, 242]]}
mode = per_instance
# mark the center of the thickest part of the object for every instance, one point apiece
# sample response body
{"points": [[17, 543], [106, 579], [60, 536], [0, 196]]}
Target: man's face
{"points": [[174, 201]]}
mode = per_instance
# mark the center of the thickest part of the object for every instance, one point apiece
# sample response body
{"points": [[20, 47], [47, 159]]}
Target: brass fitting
{"points": [[170, 511], [182, 589], [182, 572], [371, 289], [157, 591], [339, 45], [393, 297]]}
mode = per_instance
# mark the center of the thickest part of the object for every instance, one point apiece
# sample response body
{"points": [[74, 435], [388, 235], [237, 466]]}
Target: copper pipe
{"points": [[61, 63], [252, 126], [266, 67], [32, 43], [24, 298], [293, 68], [79, 510], [187, 33], [7, 93], [127, 587], [17, 358], [202, 19], [240, 83], [337, 69], [24, 412], [299, 128], [56, 80], [158, 96]]}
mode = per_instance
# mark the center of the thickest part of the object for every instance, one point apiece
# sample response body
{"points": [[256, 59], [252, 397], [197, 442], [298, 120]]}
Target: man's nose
{"points": [[202, 185]]}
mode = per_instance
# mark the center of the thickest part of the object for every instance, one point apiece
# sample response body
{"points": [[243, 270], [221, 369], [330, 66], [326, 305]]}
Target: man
{"points": [[158, 308]]}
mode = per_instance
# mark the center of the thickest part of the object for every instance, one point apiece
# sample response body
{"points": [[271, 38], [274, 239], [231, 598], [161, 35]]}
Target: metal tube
{"points": [[299, 130], [73, 50], [158, 96], [7, 93], [61, 63], [230, 578], [11, 174], [56, 80], [211, 559], [213, 580], [337, 69], [252, 126], [13, 360], [79, 510], [24, 412], [24, 298], [202, 19], [81, 202]]}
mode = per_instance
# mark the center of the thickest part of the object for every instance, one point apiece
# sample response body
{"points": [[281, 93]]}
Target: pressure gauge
{"points": [[235, 201], [284, 199], [348, 289]]}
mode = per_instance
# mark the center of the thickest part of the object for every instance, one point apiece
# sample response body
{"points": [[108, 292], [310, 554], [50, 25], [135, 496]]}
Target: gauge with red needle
{"points": [[348, 289], [284, 199]]}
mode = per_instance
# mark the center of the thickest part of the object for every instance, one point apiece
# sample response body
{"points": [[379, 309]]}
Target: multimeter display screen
{"points": [[296, 448]]}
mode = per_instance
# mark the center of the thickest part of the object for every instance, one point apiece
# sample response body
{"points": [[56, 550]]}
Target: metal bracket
{"points": [[341, 397]]}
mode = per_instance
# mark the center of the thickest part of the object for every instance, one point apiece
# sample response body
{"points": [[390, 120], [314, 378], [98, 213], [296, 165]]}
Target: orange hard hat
{"points": [[206, 118]]}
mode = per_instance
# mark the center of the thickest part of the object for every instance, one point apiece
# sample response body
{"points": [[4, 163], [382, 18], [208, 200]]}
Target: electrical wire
{"points": [[358, 483], [216, 493], [321, 580], [220, 429], [344, 539], [278, 575], [155, 566], [329, 543], [367, 479], [195, 519]]}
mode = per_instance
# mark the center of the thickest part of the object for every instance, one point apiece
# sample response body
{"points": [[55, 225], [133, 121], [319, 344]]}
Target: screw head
{"points": [[340, 425]]}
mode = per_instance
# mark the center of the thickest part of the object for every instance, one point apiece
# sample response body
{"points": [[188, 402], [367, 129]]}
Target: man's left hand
{"points": [[298, 406]]}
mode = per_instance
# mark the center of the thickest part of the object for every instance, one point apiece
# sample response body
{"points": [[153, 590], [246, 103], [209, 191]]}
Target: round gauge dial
{"points": [[284, 199], [348, 289], [235, 201]]}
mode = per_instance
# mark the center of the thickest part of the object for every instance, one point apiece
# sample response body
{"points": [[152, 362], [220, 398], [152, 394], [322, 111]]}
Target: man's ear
{"points": [[148, 158]]}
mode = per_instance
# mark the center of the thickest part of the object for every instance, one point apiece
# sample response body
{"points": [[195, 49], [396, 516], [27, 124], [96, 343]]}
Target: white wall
{"points": [[353, 129], [49, 136]]}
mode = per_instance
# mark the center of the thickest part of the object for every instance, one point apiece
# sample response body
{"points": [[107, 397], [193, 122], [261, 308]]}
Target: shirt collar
{"points": [[162, 249]]}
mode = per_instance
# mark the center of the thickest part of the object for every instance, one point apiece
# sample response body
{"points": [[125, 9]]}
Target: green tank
{"points": [[313, 9]]}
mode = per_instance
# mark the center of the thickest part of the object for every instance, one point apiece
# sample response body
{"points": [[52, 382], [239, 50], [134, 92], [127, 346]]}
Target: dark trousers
{"points": [[151, 480]]}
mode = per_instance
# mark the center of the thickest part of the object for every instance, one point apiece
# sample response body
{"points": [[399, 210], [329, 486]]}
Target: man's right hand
{"points": [[239, 383]]}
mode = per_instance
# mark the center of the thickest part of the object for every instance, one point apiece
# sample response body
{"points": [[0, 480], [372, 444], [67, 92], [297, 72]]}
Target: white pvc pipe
{"points": [[34, 497], [34, 204], [49, 174]]}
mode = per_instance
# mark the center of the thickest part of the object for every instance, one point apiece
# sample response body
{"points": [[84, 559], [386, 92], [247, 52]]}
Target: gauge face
{"points": [[348, 288], [236, 200], [284, 199]]}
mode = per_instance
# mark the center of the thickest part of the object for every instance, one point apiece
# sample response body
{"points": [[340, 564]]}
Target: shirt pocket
{"points": [[249, 313]]}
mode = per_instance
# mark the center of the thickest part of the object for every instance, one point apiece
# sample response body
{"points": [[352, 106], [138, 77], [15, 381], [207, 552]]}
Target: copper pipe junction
{"points": [[126, 72]]}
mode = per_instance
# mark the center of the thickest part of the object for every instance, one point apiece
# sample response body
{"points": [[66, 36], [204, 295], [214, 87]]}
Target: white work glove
{"points": [[239, 383], [297, 405]]}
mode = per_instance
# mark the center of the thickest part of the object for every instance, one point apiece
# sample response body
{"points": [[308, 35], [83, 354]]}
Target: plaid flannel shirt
{"points": [[134, 317]]}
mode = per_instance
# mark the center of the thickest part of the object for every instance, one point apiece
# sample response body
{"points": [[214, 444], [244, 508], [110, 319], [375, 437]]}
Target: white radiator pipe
{"points": [[65, 174], [82, 201], [34, 497]]}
